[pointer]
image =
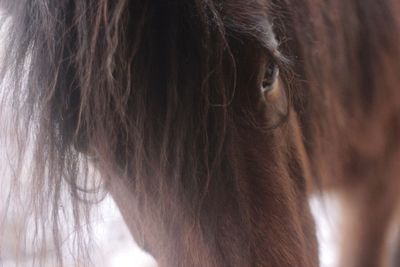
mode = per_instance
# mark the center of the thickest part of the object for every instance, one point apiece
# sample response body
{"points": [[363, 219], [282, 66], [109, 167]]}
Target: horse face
{"points": [[237, 194]]}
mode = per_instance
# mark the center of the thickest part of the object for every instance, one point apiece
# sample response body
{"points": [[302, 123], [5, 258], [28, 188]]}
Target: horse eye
{"points": [[270, 77]]}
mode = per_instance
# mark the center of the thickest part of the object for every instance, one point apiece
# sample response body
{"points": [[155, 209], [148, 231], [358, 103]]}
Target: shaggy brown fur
{"points": [[164, 99]]}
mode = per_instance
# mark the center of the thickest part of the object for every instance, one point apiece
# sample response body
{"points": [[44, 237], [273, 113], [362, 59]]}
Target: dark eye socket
{"points": [[270, 76]]}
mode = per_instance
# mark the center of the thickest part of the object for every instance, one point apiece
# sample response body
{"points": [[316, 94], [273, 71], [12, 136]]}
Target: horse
{"points": [[212, 122]]}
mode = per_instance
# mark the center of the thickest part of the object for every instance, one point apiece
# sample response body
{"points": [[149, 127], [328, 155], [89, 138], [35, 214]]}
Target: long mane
{"points": [[120, 74]]}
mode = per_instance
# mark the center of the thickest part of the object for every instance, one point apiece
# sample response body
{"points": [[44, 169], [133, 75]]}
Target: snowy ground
{"points": [[327, 218]]}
